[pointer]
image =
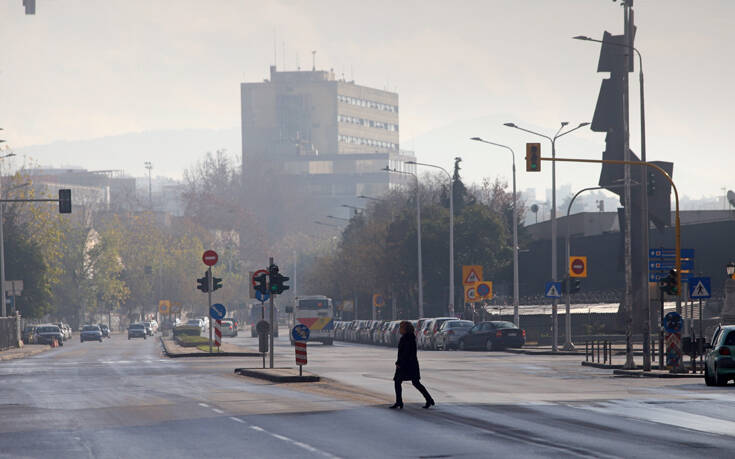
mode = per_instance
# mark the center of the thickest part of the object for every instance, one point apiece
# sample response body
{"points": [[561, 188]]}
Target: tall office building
{"points": [[331, 136]]}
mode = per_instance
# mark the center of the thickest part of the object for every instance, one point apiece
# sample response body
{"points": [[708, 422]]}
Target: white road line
{"points": [[218, 411], [237, 419], [204, 405], [294, 442]]}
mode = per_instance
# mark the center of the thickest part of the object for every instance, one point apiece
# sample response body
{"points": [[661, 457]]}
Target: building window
{"points": [[367, 103]]}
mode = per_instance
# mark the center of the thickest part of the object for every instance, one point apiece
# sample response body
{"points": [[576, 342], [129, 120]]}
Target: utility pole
{"points": [[149, 166], [210, 287], [629, 362]]}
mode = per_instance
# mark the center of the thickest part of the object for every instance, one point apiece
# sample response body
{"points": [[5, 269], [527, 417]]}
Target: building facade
{"points": [[332, 137]]}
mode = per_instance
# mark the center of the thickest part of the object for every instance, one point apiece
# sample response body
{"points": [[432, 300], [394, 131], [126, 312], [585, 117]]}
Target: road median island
{"points": [[278, 375], [656, 374], [174, 350]]}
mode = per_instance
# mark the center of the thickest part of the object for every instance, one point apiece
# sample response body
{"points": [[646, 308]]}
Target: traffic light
{"points": [[533, 157], [669, 284], [204, 282], [277, 279], [651, 183], [216, 283], [259, 283], [576, 285], [65, 201]]}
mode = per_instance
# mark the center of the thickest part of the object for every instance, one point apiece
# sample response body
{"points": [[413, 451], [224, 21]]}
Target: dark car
{"points": [[90, 333], [46, 334], [105, 330], [493, 335], [719, 365], [137, 331]]}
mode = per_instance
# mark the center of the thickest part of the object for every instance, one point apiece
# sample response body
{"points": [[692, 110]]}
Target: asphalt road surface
{"points": [[122, 398]]}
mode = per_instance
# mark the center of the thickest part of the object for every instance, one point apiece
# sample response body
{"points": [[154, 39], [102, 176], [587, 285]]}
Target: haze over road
{"points": [[121, 398]]}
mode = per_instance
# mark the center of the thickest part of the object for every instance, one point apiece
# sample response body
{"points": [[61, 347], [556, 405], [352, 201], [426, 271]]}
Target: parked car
{"points": [[148, 328], [430, 337], [47, 333], [65, 330], [154, 325], [450, 332], [137, 331], [391, 333], [493, 335], [719, 364], [28, 335], [90, 333], [422, 340], [228, 328], [105, 330]]}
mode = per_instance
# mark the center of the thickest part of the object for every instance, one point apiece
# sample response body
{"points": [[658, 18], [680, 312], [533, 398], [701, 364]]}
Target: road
{"points": [[121, 398]]}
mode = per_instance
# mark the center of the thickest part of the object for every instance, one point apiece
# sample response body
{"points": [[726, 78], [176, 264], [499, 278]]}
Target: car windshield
{"points": [[193, 322], [504, 325], [90, 328], [730, 340], [137, 326], [48, 329], [459, 324]]}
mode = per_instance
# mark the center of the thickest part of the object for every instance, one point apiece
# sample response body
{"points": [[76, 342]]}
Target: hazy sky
{"points": [[83, 69]]}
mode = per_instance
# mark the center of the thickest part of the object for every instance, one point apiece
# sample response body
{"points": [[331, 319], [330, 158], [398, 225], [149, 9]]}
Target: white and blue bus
{"points": [[317, 313]]}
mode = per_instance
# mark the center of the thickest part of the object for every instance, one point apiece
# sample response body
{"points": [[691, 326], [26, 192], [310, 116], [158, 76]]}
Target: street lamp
{"points": [[516, 319], [2, 247], [148, 165], [644, 194], [451, 232], [420, 309], [730, 269], [558, 134]]}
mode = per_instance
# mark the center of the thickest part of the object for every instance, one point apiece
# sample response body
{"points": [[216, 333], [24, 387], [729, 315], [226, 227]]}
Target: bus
{"points": [[256, 314], [317, 313]]}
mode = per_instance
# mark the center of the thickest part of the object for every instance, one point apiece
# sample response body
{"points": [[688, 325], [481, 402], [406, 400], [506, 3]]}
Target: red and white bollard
{"points": [[300, 348], [218, 334]]}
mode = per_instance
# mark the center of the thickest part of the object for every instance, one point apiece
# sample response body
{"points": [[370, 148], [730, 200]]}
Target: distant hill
{"points": [[170, 151]]}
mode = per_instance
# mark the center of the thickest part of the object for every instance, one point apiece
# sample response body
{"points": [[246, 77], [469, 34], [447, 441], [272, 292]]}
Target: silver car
{"points": [[450, 332]]}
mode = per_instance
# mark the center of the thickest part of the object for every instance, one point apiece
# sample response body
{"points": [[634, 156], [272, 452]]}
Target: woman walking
{"points": [[407, 366]]}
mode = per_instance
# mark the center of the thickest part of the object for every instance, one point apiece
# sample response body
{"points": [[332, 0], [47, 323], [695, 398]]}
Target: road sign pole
{"points": [[273, 324], [209, 306]]}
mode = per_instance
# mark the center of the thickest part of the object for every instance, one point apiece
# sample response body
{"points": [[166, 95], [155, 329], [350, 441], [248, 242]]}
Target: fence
{"points": [[9, 332]]}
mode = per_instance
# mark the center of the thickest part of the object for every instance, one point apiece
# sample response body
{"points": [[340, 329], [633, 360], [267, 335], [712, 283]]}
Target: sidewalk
{"points": [[543, 350], [173, 350], [22, 352]]}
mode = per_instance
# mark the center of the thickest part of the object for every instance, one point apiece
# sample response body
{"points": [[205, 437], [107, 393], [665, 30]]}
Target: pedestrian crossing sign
{"points": [[471, 274], [552, 290], [699, 287]]}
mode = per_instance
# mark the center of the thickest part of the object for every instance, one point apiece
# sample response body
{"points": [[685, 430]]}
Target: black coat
{"points": [[407, 364]]}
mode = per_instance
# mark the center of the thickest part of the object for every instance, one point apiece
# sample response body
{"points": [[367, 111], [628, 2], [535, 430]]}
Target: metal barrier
{"points": [[595, 348]]}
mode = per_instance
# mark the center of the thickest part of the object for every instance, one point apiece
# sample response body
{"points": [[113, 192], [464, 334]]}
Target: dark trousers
{"points": [[417, 384]]}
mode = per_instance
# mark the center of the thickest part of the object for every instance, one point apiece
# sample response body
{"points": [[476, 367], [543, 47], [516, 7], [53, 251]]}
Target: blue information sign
{"points": [[552, 290], [217, 311], [700, 287], [300, 333], [262, 297]]}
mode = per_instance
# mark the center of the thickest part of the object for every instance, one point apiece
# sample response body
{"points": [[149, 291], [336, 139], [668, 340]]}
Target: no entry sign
{"points": [[210, 258], [578, 266]]}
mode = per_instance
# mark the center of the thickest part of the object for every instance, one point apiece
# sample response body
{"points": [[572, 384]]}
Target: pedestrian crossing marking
{"points": [[553, 290], [700, 287], [699, 290]]}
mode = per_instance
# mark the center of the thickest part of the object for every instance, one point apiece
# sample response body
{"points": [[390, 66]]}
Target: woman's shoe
{"points": [[398, 406], [428, 404]]}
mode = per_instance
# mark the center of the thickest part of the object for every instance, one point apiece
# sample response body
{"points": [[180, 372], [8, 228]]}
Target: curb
{"points": [[533, 352], [604, 366], [263, 374], [646, 374], [174, 355]]}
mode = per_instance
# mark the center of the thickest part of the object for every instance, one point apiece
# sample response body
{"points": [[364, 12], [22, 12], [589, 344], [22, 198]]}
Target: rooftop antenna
{"points": [[313, 61]]}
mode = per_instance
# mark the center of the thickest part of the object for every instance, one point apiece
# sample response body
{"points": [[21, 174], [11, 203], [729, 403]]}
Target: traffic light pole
{"points": [[661, 171], [273, 324], [210, 286]]}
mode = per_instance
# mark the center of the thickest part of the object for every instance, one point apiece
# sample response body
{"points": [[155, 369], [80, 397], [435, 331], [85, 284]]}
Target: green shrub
{"points": [[190, 341], [187, 330]]}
